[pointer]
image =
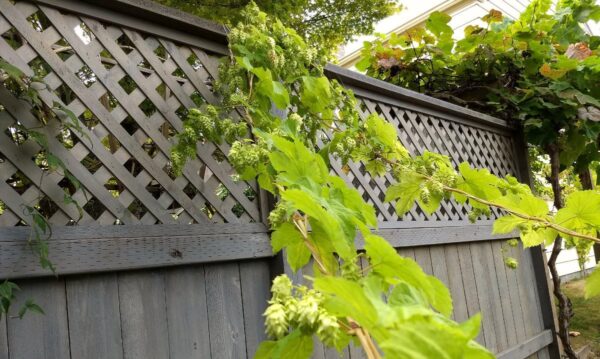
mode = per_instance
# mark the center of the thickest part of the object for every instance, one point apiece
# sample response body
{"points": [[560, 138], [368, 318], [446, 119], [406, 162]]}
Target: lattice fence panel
{"points": [[131, 91], [482, 148]]}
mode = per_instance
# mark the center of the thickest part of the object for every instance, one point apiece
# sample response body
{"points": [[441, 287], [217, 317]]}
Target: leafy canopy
{"points": [[323, 24]]}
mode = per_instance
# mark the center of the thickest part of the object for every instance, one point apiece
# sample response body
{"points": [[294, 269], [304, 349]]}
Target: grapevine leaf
{"points": [[438, 23], [592, 284]]}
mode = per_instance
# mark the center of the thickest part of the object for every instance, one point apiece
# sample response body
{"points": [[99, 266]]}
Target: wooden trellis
{"points": [[132, 92]]}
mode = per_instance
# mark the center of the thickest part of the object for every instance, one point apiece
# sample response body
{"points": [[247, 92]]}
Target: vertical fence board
{"points": [[532, 294], [455, 283], [505, 295], [40, 336], [3, 339], [438, 263], [225, 315], [94, 317], [256, 285], [468, 276], [423, 257], [187, 313], [484, 293], [515, 297], [143, 315]]}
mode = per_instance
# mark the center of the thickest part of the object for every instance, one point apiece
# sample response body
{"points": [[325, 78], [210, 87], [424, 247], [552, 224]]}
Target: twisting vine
{"points": [[27, 88], [273, 86]]}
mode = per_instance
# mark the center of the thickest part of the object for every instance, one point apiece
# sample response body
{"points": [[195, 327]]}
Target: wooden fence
{"points": [[180, 267]]}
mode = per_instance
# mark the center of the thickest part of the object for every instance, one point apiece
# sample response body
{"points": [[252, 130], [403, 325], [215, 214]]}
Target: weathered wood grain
{"points": [[143, 315], [455, 283], [94, 316], [528, 347], [3, 339], [225, 313], [43, 336], [187, 313], [255, 282], [483, 281], [505, 294]]}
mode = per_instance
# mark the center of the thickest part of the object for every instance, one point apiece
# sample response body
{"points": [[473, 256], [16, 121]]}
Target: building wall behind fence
{"points": [[162, 266]]}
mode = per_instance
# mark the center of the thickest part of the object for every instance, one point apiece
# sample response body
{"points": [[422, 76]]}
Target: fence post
{"points": [[538, 256]]}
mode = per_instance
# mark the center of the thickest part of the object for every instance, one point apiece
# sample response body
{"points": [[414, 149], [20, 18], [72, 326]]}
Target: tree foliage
{"points": [[540, 71], [324, 24], [273, 86]]}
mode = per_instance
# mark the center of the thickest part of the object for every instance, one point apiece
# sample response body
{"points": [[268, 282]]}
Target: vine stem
{"points": [[542, 221], [301, 223]]}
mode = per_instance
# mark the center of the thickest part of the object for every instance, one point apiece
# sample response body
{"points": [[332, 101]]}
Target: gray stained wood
{"points": [[142, 301], [44, 336], [94, 316], [470, 288], [504, 294], [187, 312], [225, 313], [455, 283], [3, 339], [256, 291]]}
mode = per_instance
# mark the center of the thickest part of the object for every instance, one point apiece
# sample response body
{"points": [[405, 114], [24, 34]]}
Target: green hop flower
{"points": [[511, 262], [276, 321]]}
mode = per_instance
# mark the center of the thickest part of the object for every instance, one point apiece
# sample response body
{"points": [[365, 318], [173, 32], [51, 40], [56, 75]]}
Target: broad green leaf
{"points": [[524, 203], [395, 269], [592, 284], [437, 23], [270, 88], [427, 339], [507, 224], [405, 193], [478, 182], [310, 205], [349, 298], [531, 236], [581, 211], [295, 345], [298, 255], [471, 326], [432, 204], [315, 93], [285, 235], [265, 350]]}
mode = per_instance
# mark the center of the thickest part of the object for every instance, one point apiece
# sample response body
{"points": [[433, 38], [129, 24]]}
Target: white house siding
{"points": [[567, 263]]}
